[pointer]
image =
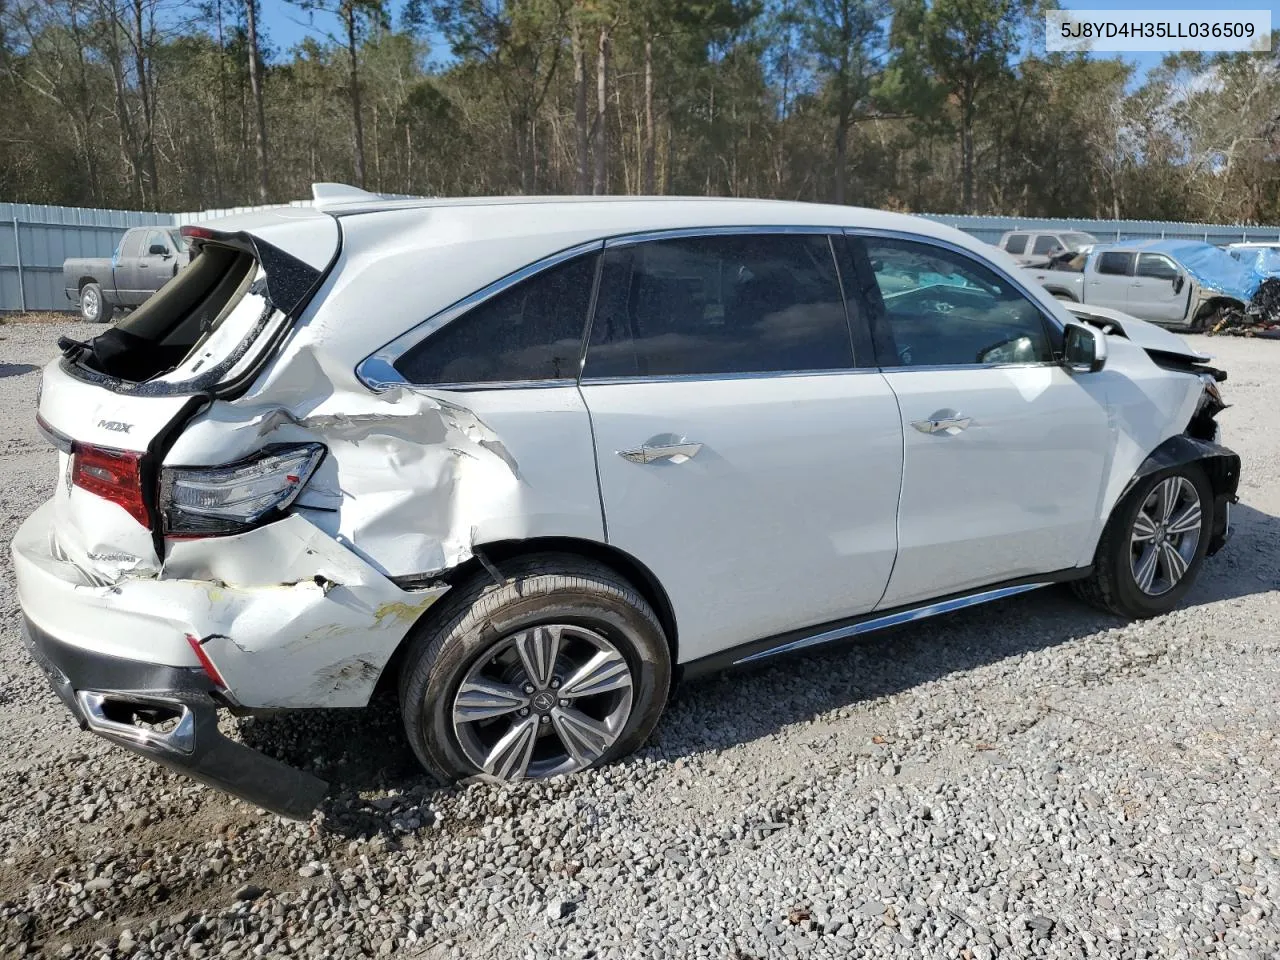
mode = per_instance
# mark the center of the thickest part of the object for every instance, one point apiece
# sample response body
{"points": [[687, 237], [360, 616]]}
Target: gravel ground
{"points": [[1031, 778]]}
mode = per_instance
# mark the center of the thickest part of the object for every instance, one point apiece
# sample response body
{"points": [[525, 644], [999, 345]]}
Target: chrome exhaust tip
{"points": [[146, 722]]}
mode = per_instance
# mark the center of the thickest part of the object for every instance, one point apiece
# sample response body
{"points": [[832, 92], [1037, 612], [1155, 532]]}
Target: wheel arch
{"points": [[1219, 463], [1210, 305], [500, 551]]}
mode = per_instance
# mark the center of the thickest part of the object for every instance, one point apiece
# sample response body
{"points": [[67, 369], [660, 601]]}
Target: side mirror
{"points": [[1084, 348], [158, 250], [1178, 282]]}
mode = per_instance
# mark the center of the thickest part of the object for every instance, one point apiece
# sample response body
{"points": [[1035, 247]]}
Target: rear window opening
{"points": [[200, 330]]}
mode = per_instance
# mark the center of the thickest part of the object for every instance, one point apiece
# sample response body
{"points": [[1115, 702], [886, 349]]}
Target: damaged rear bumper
{"points": [[115, 697]]}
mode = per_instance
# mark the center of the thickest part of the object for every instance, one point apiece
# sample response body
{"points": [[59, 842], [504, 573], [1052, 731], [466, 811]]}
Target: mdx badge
{"points": [[115, 426]]}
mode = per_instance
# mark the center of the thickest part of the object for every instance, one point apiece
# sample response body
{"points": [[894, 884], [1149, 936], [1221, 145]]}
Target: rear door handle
{"points": [[677, 452], [948, 425]]}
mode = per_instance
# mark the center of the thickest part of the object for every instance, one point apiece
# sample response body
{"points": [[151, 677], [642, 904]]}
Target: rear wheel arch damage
{"points": [[497, 557]]}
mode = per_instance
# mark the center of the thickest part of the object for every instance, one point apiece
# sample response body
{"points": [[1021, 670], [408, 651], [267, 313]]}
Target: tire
{"points": [[1065, 297], [1114, 584], [94, 307], [484, 635]]}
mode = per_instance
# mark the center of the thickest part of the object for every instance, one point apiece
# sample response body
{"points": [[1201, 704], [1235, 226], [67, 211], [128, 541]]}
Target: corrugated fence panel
{"points": [[990, 229], [35, 239]]}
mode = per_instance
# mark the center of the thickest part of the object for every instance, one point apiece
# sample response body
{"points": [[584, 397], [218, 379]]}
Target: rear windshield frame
{"points": [[289, 286]]}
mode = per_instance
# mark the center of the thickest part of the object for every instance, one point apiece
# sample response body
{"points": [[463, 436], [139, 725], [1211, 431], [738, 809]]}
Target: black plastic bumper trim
{"points": [[215, 760]]}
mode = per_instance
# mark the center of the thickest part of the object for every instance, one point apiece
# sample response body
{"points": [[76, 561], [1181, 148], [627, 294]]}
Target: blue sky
{"points": [[286, 24]]}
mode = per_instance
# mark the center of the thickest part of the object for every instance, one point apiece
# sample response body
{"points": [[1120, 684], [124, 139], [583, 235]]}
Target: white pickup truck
{"points": [[1180, 283]]}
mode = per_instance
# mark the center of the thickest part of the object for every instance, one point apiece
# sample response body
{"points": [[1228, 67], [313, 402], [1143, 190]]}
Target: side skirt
{"points": [[797, 640]]}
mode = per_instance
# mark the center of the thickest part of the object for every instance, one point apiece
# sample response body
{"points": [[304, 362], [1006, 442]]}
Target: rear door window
{"points": [[530, 331], [131, 245], [1016, 243], [719, 304], [1116, 264], [1045, 243]]}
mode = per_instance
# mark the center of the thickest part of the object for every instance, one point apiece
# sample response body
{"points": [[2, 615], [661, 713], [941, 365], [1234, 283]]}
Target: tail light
{"points": [[114, 475], [213, 501]]}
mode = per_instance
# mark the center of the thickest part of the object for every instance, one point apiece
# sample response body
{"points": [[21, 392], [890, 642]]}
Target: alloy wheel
{"points": [[90, 303], [543, 701], [1165, 535]]}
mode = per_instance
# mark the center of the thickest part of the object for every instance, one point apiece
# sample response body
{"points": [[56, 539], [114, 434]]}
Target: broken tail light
{"points": [[214, 501], [114, 475]]}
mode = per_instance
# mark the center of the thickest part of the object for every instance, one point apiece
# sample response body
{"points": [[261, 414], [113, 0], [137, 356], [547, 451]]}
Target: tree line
{"points": [[918, 105]]}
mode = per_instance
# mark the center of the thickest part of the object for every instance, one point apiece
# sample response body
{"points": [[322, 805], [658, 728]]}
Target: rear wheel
{"points": [[93, 305], [562, 667], [1153, 545]]}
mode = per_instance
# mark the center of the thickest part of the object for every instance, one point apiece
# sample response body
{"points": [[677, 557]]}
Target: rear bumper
{"points": [[108, 695]]}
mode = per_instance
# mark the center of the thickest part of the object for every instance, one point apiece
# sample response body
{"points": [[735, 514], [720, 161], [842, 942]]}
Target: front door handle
{"points": [[677, 452], [948, 425]]}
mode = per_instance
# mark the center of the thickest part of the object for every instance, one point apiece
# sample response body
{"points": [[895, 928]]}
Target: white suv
{"points": [[529, 460]]}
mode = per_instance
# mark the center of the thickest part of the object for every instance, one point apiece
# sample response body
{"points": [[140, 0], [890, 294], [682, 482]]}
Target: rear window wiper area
{"points": [[236, 280]]}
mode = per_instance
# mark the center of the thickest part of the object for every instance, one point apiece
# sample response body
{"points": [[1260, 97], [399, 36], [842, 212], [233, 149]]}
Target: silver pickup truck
{"points": [[145, 259], [1181, 283]]}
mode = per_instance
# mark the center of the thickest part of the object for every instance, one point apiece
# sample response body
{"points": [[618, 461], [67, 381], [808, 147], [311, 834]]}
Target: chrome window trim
{"points": [[921, 612], [681, 233], [377, 371], [943, 367], [705, 377]]}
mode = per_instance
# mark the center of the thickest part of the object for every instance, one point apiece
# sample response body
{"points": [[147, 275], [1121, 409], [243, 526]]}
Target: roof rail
{"points": [[329, 194]]}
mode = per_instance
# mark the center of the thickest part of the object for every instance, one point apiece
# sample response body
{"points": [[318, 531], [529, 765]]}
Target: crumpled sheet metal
{"points": [[289, 616], [405, 473]]}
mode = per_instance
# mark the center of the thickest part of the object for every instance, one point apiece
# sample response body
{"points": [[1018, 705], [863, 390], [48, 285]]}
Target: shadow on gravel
{"points": [[357, 751], [366, 751], [16, 369]]}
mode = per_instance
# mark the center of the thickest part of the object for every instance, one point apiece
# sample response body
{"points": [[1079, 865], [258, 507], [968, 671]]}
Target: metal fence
{"points": [[35, 239], [991, 228]]}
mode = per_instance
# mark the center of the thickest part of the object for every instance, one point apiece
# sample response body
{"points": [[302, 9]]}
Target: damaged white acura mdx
{"points": [[529, 460]]}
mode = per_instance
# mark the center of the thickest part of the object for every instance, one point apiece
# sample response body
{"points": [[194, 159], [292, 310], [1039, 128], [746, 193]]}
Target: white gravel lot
{"points": [[1031, 778]]}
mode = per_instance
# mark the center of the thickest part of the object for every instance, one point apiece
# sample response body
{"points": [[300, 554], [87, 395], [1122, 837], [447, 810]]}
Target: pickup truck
{"points": [[1181, 283], [1030, 247], [144, 260]]}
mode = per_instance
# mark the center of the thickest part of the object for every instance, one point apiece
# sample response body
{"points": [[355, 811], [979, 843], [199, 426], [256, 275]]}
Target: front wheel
{"points": [[1154, 544], [562, 667]]}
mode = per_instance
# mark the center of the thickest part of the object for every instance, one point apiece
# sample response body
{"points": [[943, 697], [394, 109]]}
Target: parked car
{"points": [[145, 260], [1038, 246], [1171, 282], [582, 447]]}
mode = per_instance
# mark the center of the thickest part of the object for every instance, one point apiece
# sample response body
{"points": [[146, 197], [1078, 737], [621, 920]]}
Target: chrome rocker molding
{"points": [[804, 639], [892, 620]]}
